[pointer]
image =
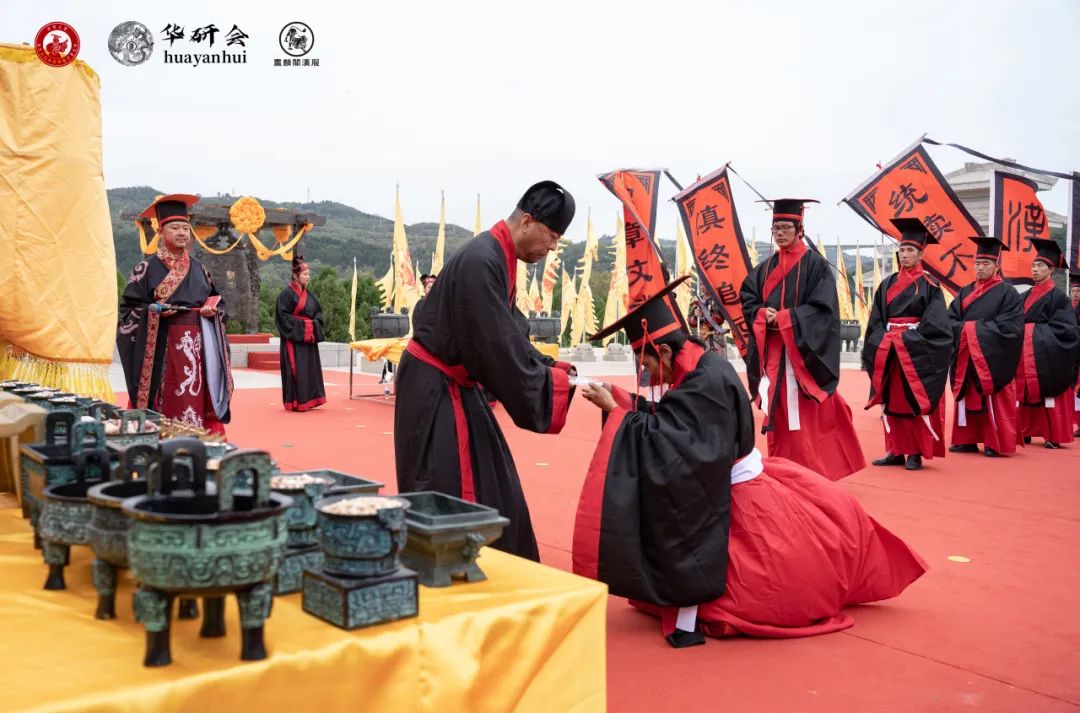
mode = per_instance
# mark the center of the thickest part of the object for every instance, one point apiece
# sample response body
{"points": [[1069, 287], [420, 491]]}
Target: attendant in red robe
{"points": [[988, 327], [680, 513], [171, 332], [1046, 378], [793, 359], [907, 352]]}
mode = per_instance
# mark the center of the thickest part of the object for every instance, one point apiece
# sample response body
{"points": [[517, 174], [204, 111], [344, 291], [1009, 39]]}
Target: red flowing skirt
{"points": [[800, 549], [825, 442], [995, 427], [1052, 424]]}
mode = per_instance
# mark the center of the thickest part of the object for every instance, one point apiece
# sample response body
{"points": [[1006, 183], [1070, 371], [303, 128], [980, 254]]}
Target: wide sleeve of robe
{"points": [[131, 329], [811, 331], [1051, 346], [535, 394]]}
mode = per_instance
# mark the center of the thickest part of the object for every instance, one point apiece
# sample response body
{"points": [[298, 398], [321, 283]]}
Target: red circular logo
{"points": [[57, 44]]}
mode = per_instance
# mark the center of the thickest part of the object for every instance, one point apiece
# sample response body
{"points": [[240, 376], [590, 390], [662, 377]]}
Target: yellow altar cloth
{"points": [[392, 349], [530, 638]]}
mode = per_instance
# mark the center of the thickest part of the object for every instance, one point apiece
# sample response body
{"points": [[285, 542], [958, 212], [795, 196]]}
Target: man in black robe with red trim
{"points": [[988, 328], [793, 358], [1074, 292], [171, 331], [299, 319], [469, 333], [907, 352], [1046, 378]]}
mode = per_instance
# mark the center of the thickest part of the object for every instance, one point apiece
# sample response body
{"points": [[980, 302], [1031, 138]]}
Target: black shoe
{"points": [[913, 463], [990, 453], [680, 639], [964, 448], [1052, 445], [1027, 440], [890, 459]]}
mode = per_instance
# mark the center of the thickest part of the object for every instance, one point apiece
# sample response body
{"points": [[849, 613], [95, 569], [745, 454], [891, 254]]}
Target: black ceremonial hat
{"points": [[789, 208], [913, 232], [549, 203], [1048, 252], [655, 316], [169, 208], [988, 248]]}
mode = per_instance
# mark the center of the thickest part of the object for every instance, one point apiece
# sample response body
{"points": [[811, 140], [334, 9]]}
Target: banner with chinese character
{"points": [[1016, 216], [708, 213], [639, 191], [911, 186], [1072, 232]]}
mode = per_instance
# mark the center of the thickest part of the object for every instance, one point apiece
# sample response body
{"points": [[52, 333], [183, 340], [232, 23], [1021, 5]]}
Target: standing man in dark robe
{"points": [[1074, 291], [469, 333], [171, 331], [299, 320], [988, 330], [1046, 379], [907, 352], [680, 513], [793, 358]]}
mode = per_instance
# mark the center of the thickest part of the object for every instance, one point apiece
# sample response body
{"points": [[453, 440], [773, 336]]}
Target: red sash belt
{"points": [[459, 378]]}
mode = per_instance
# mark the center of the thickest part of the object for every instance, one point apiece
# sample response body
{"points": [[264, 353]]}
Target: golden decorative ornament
{"points": [[247, 215]]}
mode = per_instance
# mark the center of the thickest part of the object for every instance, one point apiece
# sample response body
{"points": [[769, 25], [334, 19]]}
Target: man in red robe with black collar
{"points": [[171, 332], [469, 333], [907, 352], [793, 359], [1046, 378], [988, 325]]}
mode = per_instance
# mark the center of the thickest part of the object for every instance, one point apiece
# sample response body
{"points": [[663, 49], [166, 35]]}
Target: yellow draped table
{"points": [[530, 638]]}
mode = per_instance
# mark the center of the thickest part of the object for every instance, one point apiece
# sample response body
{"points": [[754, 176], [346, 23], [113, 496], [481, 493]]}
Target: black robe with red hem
{"points": [[988, 328], [299, 320], [446, 437], [1051, 344], [652, 520]]}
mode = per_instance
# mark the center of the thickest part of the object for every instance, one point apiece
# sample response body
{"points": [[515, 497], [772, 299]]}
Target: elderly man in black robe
{"points": [[469, 333]]}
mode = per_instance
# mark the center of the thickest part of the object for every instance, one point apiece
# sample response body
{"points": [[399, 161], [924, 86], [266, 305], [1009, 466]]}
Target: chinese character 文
{"points": [[236, 36], [937, 225], [715, 257], [635, 271], [204, 33], [904, 198], [708, 219], [173, 32], [957, 260]]}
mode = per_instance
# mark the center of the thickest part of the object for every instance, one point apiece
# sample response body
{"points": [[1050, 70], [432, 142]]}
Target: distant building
{"points": [[972, 186]]}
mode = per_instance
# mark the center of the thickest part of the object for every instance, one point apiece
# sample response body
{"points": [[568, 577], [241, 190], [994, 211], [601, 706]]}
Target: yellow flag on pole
{"points": [[549, 277], [843, 291], [405, 292], [684, 265], [566, 305], [440, 240], [619, 289], [477, 229]]}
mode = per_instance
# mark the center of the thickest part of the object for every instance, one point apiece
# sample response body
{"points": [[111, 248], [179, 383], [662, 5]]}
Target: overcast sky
{"points": [[469, 97]]}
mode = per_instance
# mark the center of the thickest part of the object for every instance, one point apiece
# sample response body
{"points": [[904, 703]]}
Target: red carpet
{"points": [[998, 633]]}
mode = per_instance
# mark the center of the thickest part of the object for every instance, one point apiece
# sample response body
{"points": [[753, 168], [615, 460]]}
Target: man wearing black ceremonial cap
{"points": [[171, 331], [907, 352], [469, 333], [680, 514], [1046, 377], [987, 319], [793, 356]]}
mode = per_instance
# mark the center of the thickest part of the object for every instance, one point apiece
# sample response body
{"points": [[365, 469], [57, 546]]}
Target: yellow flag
{"points": [[440, 240], [618, 290], [386, 284], [549, 277], [566, 305], [536, 304], [684, 265], [352, 305], [584, 321], [477, 229], [405, 292], [521, 291], [862, 313], [591, 250], [843, 291], [751, 249]]}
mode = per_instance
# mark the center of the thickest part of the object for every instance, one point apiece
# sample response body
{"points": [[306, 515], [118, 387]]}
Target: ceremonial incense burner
{"points": [[361, 582], [66, 514], [185, 540], [52, 463], [109, 527], [445, 535]]}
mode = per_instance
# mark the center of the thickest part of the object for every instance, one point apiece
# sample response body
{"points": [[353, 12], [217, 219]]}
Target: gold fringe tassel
{"points": [[80, 378]]}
